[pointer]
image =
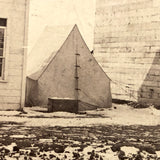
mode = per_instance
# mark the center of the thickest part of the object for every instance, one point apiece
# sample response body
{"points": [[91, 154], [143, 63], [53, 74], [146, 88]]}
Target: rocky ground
{"points": [[89, 141]]}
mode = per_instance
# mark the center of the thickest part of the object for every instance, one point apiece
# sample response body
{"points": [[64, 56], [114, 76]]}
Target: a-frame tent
{"points": [[68, 73]]}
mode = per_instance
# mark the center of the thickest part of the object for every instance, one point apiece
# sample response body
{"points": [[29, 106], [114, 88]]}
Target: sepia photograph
{"points": [[79, 80]]}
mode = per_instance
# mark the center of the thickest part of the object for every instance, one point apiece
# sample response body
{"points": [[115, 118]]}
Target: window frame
{"points": [[2, 76]]}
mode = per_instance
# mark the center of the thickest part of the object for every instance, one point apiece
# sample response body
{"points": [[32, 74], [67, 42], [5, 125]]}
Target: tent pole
{"points": [[77, 78]]}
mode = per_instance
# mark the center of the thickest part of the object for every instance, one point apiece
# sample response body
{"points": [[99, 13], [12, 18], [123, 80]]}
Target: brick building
{"points": [[13, 39], [127, 46]]}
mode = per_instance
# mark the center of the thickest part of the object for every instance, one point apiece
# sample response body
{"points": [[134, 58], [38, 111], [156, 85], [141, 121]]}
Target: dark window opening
{"points": [[1, 67], [3, 22], [1, 41], [1, 52]]}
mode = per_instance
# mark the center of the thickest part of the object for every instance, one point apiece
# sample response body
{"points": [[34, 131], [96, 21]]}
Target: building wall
{"points": [[12, 87], [126, 44]]}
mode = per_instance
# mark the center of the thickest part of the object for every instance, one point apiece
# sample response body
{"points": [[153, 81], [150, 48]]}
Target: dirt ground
{"points": [[89, 141]]}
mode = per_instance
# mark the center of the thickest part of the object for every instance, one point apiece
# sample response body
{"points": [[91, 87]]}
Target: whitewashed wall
{"points": [[61, 12], [12, 88]]}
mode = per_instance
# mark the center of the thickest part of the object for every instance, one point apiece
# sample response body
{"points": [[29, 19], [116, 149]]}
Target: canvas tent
{"points": [[61, 67]]}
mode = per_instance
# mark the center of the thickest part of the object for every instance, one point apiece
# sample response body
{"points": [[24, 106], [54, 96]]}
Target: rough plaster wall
{"points": [[61, 12], [10, 91], [126, 42]]}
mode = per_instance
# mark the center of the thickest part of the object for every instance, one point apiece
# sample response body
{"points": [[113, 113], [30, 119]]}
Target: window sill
{"points": [[3, 81]]}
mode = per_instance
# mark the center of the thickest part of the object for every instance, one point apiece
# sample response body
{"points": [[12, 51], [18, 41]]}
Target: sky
{"points": [[44, 13]]}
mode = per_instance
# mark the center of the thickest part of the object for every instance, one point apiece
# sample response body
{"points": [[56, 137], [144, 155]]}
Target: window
{"points": [[3, 24]]}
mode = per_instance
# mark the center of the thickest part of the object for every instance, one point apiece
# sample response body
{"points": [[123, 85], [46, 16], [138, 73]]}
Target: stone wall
{"points": [[127, 46]]}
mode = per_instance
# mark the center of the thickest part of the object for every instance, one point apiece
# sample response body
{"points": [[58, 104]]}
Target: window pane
{"points": [[1, 66], [1, 39], [1, 35], [3, 22], [0, 70], [1, 32], [1, 52], [1, 45]]}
